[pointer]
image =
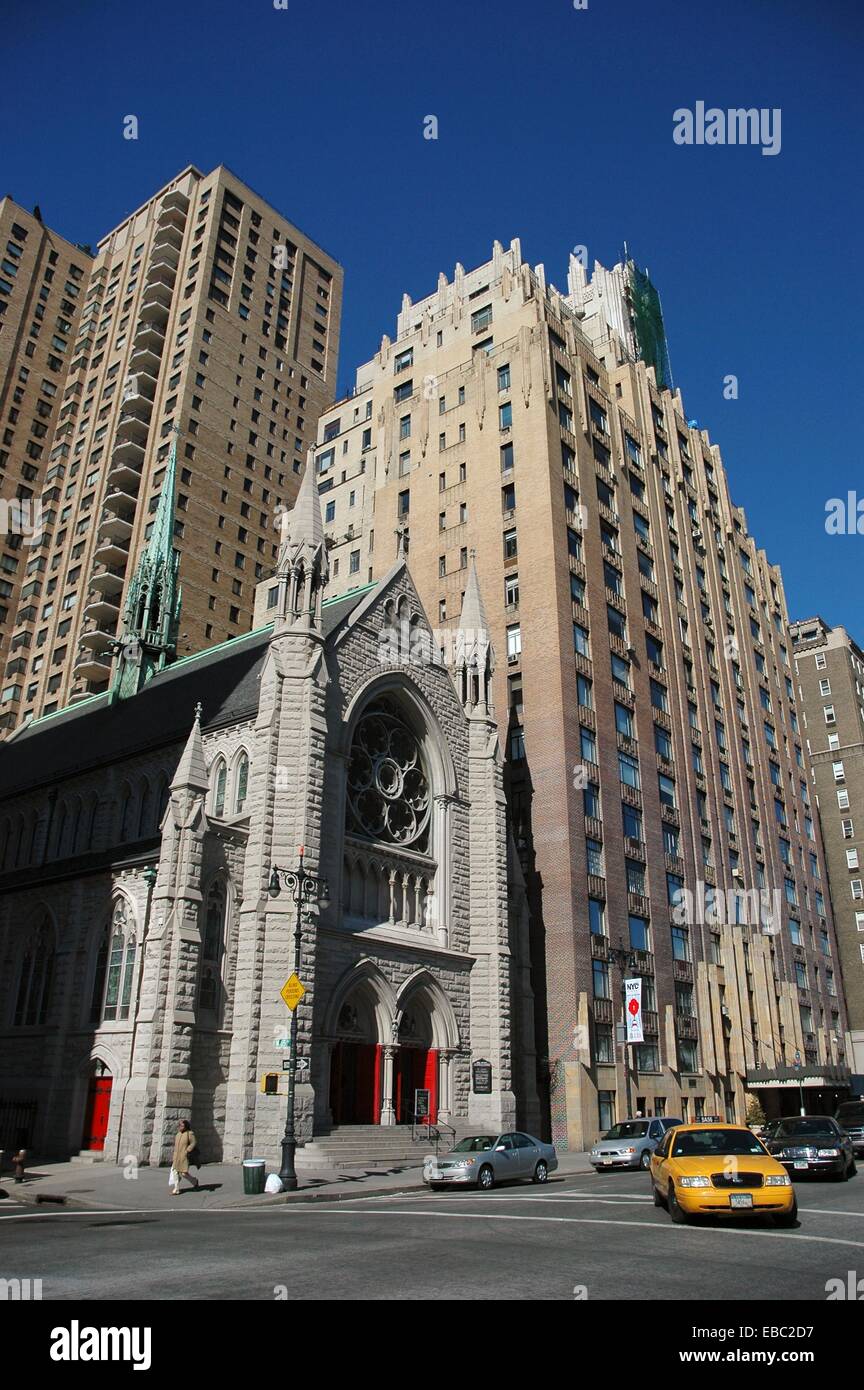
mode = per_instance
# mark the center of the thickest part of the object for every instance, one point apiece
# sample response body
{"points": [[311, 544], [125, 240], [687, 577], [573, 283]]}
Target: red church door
{"points": [[355, 1083], [97, 1112], [416, 1069]]}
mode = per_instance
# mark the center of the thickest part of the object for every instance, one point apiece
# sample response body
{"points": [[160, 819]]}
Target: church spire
{"points": [[152, 612], [475, 659], [302, 565]]}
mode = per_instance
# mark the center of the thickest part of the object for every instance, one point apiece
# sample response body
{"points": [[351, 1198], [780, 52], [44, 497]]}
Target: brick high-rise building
{"points": [[207, 317], [643, 691], [829, 666], [42, 282]]}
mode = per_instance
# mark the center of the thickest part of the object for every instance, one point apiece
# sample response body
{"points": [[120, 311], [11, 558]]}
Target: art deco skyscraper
{"points": [[644, 688]]}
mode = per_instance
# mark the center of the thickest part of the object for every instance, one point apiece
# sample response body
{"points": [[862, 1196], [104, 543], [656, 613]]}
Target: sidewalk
{"points": [[106, 1186]]}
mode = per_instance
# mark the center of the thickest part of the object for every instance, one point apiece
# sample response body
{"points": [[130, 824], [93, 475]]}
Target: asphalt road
{"points": [[590, 1236]]}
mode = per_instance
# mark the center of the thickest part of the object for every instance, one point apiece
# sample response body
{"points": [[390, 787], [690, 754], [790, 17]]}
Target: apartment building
{"points": [[42, 282], [210, 319], [644, 689], [829, 667]]}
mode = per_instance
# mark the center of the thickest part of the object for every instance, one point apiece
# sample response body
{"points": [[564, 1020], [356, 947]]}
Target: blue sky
{"points": [[555, 125]]}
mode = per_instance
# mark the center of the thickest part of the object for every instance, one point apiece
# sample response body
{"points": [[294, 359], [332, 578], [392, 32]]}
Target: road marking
{"points": [[582, 1221]]}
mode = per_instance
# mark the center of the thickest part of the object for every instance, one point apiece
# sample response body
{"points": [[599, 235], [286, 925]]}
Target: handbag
{"points": [[174, 1178]]}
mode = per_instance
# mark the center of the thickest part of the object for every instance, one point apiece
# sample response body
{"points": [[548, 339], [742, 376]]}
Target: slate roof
{"points": [[94, 732]]}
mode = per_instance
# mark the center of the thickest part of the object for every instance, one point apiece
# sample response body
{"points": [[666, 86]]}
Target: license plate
{"points": [[800, 1163], [605, 1163], [741, 1199]]}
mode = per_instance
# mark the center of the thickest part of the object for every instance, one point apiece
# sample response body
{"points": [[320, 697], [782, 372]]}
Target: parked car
{"points": [[481, 1160], [630, 1144], [813, 1144], [850, 1116], [720, 1170]]}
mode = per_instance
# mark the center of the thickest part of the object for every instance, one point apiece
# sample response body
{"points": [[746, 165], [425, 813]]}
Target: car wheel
{"points": [[645, 1160], [658, 1200], [486, 1178], [676, 1211], [788, 1218], [541, 1172]]}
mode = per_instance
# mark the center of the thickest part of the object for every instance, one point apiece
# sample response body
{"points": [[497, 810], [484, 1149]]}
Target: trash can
{"points": [[253, 1176]]}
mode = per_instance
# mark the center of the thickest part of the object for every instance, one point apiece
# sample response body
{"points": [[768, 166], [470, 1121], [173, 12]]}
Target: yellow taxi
{"points": [[720, 1170]]}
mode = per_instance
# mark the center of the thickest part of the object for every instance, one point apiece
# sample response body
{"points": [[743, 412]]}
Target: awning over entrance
{"points": [[838, 1077]]}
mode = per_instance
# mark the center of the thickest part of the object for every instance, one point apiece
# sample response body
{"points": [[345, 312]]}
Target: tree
{"points": [[755, 1113]]}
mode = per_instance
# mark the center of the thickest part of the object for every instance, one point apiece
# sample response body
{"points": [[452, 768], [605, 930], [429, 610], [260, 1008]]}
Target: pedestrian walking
{"points": [[185, 1144]]}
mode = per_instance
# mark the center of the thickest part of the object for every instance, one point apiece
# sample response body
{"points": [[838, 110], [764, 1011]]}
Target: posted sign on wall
{"points": [[633, 1009]]}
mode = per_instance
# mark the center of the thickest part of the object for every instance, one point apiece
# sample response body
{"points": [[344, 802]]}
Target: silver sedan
{"points": [[481, 1160]]}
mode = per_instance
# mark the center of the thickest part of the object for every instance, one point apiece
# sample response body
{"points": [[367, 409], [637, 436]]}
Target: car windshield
{"points": [[789, 1128], [707, 1143], [853, 1113], [474, 1144], [628, 1129]]}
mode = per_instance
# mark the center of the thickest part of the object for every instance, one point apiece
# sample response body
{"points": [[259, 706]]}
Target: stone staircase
{"points": [[378, 1147]]}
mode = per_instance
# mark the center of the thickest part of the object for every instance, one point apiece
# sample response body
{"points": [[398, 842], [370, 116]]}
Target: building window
{"points": [[115, 968], [212, 947], [241, 784], [34, 981]]}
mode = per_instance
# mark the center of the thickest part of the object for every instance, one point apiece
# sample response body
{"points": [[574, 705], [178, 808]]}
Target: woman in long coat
{"points": [[184, 1144]]}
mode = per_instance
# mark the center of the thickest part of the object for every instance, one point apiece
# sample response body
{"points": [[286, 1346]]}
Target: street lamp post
{"points": [[304, 888], [625, 960]]}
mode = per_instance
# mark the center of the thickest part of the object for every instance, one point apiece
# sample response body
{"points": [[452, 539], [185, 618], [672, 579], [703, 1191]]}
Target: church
{"points": [[147, 839]]}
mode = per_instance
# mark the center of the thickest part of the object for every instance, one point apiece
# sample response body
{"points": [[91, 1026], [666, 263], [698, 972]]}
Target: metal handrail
{"points": [[422, 1128]]}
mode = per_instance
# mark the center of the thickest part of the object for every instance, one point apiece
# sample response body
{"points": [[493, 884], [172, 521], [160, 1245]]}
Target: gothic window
{"points": [[126, 813], [144, 809], [115, 968], [388, 790], [34, 981], [241, 783], [219, 784], [212, 947]]}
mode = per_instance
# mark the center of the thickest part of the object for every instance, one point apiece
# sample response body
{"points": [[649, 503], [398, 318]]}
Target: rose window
{"points": [[388, 791]]}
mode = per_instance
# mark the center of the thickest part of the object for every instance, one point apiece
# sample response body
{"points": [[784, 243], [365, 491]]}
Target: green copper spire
{"points": [[152, 613]]}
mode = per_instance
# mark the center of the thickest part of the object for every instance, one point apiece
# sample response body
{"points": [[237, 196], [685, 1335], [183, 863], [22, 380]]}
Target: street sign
{"points": [[283, 1042], [293, 991], [633, 1002]]}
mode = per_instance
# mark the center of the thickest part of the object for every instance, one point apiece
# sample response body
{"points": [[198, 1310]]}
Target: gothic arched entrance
{"points": [[415, 1067], [355, 1067], [98, 1107]]}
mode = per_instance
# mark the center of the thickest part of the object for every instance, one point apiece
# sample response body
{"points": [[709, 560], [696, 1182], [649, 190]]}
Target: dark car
{"points": [[813, 1144], [850, 1116]]}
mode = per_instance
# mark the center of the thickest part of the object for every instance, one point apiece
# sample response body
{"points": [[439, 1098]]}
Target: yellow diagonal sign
{"points": [[292, 991]]}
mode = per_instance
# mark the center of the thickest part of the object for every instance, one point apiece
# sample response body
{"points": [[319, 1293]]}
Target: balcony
{"points": [[685, 1026], [643, 962], [123, 477], [90, 667], [669, 815], [159, 273], [650, 1023], [638, 904], [682, 970], [111, 554], [599, 946], [145, 359], [593, 828], [596, 886], [114, 528], [103, 612], [149, 338], [134, 426], [108, 579], [634, 848], [602, 1009]]}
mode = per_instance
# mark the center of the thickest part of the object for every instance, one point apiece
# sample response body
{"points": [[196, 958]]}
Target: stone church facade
{"points": [[142, 945]]}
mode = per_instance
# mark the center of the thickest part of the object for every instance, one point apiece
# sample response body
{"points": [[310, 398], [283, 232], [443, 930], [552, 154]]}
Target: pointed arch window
{"points": [[219, 787], [241, 783], [115, 968], [34, 980], [144, 809], [213, 947]]}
